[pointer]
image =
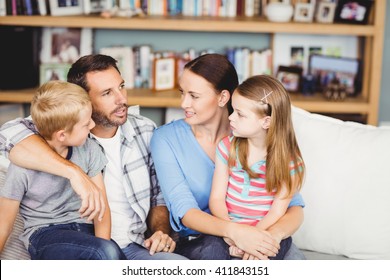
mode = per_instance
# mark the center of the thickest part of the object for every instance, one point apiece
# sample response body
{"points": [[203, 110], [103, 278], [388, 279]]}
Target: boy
{"points": [[53, 227]]}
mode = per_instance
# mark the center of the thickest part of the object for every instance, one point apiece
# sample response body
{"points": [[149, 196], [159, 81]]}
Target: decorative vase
{"points": [[279, 12]]}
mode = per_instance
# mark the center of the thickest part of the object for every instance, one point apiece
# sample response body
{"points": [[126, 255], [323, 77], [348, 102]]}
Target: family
{"points": [[93, 179]]}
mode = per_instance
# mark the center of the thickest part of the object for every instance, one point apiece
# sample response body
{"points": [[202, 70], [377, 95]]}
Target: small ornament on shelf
{"points": [[335, 91]]}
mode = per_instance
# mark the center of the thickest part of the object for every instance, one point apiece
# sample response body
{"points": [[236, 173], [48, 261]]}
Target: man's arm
{"points": [[158, 225], [34, 153]]}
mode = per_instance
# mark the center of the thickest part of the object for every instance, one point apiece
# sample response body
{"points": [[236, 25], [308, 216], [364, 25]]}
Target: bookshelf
{"points": [[371, 37]]}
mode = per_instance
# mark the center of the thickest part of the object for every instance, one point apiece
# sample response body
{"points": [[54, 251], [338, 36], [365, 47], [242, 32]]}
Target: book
{"points": [[42, 7], [3, 8]]}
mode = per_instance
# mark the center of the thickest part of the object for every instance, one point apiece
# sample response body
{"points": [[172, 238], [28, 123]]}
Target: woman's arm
{"points": [[103, 226], [217, 201]]}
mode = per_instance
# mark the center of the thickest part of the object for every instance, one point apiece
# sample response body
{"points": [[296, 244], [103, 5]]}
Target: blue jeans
{"points": [[72, 241], [294, 253], [135, 251], [203, 247], [208, 247]]}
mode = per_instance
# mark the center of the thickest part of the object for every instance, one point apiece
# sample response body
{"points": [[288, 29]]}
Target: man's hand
{"points": [[92, 202], [160, 242]]}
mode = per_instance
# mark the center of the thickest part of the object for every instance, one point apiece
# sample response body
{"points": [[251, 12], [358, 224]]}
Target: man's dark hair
{"points": [[89, 63]]}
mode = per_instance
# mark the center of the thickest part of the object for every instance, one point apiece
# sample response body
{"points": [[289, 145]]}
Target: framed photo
{"points": [[285, 44], [53, 71], [125, 61], [65, 45], [325, 12], [304, 12], [327, 69], [66, 7], [164, 73], [353, 12], [290, 77]]}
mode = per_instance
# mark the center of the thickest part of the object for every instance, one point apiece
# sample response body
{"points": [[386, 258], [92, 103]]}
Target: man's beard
{"points": [[103, 120]]}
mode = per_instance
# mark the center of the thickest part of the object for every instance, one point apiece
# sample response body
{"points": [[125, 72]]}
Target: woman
{"points": [[184, 153]]}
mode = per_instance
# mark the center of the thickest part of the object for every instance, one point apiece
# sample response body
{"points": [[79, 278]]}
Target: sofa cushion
{"points": [[347, 187], [14, 248]]}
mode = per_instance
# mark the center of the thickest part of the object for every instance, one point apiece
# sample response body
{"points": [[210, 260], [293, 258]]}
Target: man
{"points": [[133, 192]]}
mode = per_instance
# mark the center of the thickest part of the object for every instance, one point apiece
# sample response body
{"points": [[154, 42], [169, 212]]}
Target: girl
{"points": [[260, 167]]}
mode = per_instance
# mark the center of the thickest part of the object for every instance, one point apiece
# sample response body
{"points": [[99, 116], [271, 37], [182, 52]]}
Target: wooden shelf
{"points": [[171, 98], [371, 52], [201, 24]]}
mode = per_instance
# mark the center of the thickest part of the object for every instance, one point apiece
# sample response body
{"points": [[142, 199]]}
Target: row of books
{"points": [[216, 8], [23, 7], [141, 67]]}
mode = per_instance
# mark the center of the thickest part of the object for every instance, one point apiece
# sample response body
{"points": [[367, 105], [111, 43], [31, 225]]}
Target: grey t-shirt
{"points": [[47, 199]]}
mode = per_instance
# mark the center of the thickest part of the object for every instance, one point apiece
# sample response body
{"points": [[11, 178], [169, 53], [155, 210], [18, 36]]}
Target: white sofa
{"points": [[346, 190]]}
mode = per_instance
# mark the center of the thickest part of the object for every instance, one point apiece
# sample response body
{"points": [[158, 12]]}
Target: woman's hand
{"points": [[255, 242]]}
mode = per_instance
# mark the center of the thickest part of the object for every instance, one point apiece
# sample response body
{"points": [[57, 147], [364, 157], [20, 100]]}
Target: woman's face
{"points": [[198, 99]]}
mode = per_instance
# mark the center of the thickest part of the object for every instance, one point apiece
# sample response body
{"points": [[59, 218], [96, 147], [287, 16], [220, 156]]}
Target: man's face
{"points": [[109, 98]]}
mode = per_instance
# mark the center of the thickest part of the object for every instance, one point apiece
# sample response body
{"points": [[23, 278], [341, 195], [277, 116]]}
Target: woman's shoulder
{"points": [[172, 127]]}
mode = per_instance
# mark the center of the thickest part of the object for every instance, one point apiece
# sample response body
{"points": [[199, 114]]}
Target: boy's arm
{"points": [[34, 153], [217, 201], [8, 210], [102, 227]]}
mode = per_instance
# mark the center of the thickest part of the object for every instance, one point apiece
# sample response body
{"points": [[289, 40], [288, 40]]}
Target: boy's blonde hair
{"points": [[56, 106], [272, 100]]}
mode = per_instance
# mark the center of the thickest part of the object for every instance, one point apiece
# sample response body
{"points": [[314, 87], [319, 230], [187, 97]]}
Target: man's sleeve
{"points": [[12, 132]]}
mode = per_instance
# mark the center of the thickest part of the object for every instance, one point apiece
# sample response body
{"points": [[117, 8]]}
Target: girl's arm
{"points": [[8, 210], [288, 224], [217, 202], [278, 209], [103, 226]]}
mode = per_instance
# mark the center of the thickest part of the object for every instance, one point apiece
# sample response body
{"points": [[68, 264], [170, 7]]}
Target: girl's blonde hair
{"points": [[282, 147], [56, 106]]}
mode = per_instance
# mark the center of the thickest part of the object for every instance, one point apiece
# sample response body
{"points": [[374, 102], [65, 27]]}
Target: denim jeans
{"points": [[135, 251], [207, 247], [72, 241], [294, 253], [203, 247]]}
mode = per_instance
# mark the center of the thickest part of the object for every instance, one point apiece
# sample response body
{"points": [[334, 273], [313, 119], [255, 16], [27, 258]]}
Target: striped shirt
{"points": [[247, 199]]}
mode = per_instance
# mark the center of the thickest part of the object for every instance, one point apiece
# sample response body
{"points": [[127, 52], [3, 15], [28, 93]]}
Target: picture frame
{"points": [[53, 71], [65, 45], [304, 12], [327, 69], [343, 46], [326, 12], [164, 70], [66, 7], [352, 11], [125, 62], [290, 77]]}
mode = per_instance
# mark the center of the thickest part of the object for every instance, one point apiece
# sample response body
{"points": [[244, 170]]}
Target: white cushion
{"points": [[347, 187], [14, 248]]}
